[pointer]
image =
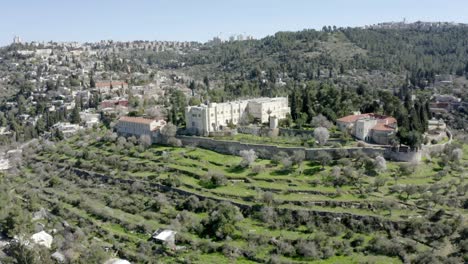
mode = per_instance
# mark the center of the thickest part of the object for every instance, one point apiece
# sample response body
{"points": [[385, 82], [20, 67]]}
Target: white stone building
{"points": [[369, 127], [89, 119], [139, 126], [67, 128], [204, 119]]}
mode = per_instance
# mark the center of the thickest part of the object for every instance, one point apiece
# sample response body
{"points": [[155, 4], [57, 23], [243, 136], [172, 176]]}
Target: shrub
{"points": [[308, 250], [259, 168], [213, 180], [248, 157], [221, 221]]}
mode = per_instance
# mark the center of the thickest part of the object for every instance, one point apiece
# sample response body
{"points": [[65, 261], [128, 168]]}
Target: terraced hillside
{"points": [[104, 192]]}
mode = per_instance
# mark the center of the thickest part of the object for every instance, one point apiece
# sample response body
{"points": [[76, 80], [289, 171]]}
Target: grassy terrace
{"points": [[188, 168], [289, 187], [117, 224]]}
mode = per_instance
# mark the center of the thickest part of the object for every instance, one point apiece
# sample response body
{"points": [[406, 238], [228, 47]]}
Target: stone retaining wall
{"points": [[268, 151]]}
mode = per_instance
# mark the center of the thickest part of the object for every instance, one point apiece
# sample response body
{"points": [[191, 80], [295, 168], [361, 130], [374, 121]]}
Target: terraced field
{"points": [[118, 194]]}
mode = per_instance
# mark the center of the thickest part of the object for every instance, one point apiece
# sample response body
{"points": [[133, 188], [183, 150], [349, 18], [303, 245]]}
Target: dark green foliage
{"points": [[221, 221], [19, 253]]}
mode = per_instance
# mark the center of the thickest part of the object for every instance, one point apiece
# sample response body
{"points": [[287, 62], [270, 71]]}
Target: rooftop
{"points": [[382, 127], [140, 120], [380, 118], [164, 235]]}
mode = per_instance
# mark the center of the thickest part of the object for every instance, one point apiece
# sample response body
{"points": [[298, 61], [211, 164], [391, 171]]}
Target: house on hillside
{"points": [[139, 126], [369, 127], [106, 87], [167, 237], [443, 103], [67, 128], [112, 103], [89, 119]]}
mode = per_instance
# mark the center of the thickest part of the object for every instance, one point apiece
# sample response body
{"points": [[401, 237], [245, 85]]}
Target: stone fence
{"points": [[268, 151], [259, 131], [437, 148]]}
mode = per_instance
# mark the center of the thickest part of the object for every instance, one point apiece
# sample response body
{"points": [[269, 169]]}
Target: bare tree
{"points": [[169, 130], [320, 121], [321, 135], [256, 169], [168, 133], [145, 141], [298, 157], [380, 164], [287, 163], [248, 157], [323, 158], [175, 142], [457, 154]]}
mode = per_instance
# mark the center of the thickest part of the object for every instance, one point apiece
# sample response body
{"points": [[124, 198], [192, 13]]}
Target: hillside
{"points": [[318, 196]]}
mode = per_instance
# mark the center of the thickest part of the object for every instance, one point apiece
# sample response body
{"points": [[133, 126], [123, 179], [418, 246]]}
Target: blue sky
{"points": [[93, 20]]}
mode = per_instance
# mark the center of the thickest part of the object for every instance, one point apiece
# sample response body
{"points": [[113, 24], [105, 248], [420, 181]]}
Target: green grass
{"points": [[357, 259]]}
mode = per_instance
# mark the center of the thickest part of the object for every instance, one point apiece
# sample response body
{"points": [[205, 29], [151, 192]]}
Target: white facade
{"points": [[217, 116], [67, 128], [89, 119], [364, 127], [138, 126]]}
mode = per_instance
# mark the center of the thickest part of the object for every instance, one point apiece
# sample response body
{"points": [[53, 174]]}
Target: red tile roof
{"points": [[352, 118], [381, 118], [382, 127], [139, 120]]}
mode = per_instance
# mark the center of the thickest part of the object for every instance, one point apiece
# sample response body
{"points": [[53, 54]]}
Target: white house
{"points": [[89, 119], [203, 119], [42, 238], [167, 237], [67, 128], [369, 127]]}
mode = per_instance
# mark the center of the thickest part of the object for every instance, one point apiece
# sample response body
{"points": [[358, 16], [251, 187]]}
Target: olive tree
{"points": [[380, 164], [457, 155], [221, 221], [145, 141], [321, 135], [248, 157], [320, 121], [323, 158]]}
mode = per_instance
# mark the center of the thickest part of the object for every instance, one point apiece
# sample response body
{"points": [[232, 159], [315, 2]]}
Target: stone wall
{"points": [[268, 151], [431, 149], [410, 156]]}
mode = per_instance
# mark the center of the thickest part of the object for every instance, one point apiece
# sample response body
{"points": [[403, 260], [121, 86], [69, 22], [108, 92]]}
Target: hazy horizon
{"points": [[88, 21]]}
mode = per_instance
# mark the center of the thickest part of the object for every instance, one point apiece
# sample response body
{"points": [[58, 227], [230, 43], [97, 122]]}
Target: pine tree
{"points": [[92, 83], [75, 116]]}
